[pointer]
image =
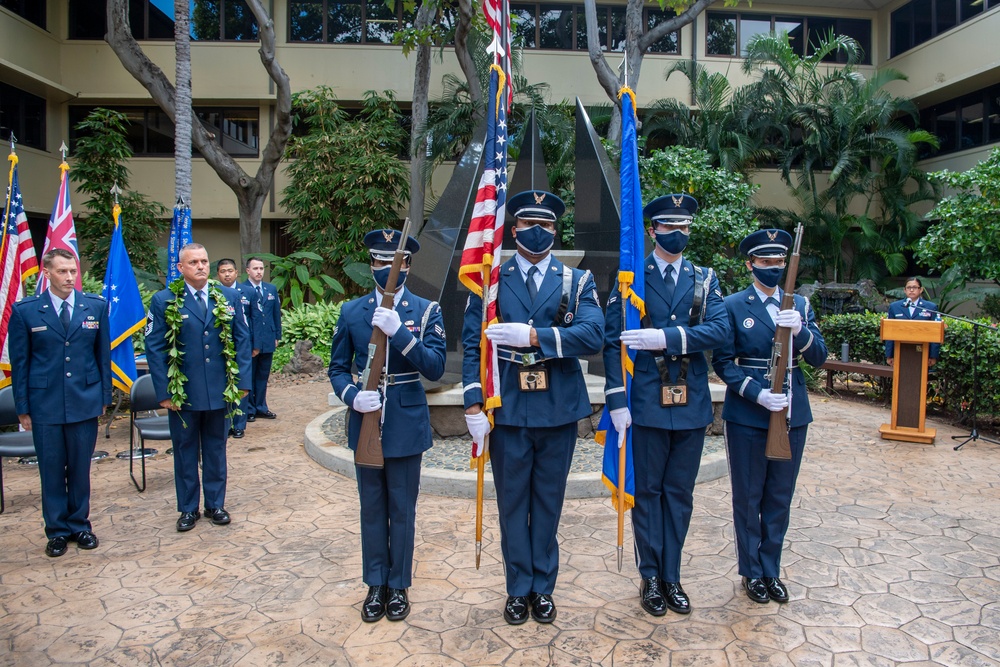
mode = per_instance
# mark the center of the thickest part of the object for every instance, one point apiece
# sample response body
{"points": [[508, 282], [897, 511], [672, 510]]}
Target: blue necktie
{"points": [[64, 316], [771, 301], [199, 296], [530, 283], [668, 281]]}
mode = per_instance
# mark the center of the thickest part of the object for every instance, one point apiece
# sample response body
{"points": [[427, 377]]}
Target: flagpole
{"points": [[12, 158]]}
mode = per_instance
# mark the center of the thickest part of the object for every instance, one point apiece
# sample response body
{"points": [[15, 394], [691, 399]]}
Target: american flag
{"points": [[17, 261], [62, 231], [480, 269], [498, 19]]}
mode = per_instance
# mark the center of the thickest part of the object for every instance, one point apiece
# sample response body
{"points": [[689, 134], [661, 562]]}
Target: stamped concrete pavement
{"points": [[893, 557]]}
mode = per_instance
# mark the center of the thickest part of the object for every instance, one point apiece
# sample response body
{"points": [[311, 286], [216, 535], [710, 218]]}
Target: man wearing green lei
{"points": [[198, 349]]}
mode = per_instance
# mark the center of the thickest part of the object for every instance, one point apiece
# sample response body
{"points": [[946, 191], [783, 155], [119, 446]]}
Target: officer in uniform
{"points": [[671, 400], [198, 427], [550, 315], [415, 329], [60, 359], [762, 488], [228, 275], [913, 307], [265, 326]]}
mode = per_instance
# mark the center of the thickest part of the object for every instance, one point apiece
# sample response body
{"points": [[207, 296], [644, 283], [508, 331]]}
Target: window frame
{"points": [[22, 99], [803, 48]]}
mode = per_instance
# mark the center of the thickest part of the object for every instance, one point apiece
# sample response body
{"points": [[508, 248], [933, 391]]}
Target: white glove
{"points": [[789, 318], [645, 339], [479, 427], [367, 401], [622, 419], [387, 320], [514, 334], [773, 402]]}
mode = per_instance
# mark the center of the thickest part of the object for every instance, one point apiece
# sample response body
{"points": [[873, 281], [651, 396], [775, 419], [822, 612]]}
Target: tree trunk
{"points": [[182, 129], [466, 11], [252, 190], [421, 86], [637, 43]]}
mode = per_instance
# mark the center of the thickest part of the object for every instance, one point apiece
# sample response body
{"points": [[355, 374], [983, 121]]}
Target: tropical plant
{"points": [[725, 215], [348, 178], [299, 276], [102, 151], [966, 231]]}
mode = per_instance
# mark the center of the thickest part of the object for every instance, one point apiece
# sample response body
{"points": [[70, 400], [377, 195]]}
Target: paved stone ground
{"points": [[893, 557]]}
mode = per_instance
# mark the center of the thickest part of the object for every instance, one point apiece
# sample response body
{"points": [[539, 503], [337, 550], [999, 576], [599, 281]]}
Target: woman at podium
{"points": [[913, 307]]}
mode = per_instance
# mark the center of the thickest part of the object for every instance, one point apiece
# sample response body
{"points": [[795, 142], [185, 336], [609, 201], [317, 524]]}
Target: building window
{"points": [[727, 30], [150, 132], [211, 20], [23, 115], [345, 21], [973, 120], [29, 10], [920, 20], [564, 28]]}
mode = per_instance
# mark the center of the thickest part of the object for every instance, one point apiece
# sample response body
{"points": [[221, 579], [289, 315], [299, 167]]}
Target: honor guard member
{"points": [[228, 275], [671, 400], [762, 489], [416, 346], [549, 315], [198, 427], [913, 307], [265, 331], [60, 361]]}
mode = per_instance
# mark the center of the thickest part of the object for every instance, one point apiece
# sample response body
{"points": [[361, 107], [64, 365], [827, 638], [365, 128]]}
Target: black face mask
{"points": [[535, 239], [381, 277], [673, 242], [768, 277]]}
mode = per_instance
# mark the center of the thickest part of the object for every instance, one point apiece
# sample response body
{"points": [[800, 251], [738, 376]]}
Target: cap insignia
{"points": [[677, 200], [771, 235], [538, 198], [387, 235]]}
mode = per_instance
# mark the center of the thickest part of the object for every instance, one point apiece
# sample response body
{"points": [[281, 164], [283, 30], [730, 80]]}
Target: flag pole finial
{"points": [[13, 140], [623, 68], [115, 191], [63, 148]]}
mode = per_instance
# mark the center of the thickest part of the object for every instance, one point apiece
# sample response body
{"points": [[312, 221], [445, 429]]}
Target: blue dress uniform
{"points": [[389, 495], [922, 312], [62, 378], [239, 422], [667, 440], [265, 329], [203, 430], [762, 488], [534, 434]]}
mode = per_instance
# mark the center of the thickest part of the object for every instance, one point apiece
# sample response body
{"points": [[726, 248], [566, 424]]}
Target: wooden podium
{"points": [[909, 378]]}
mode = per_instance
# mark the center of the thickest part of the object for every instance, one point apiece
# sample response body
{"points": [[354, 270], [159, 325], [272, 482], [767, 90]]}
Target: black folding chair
{"points": [[141, 429], [12, 443]]}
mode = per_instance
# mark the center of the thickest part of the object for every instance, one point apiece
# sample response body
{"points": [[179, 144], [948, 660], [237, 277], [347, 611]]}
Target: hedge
{"points": [[310, 321], [951, 382]]}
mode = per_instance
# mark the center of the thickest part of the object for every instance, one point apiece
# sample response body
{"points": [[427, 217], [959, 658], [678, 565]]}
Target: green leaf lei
{"points": [[223, 320]]}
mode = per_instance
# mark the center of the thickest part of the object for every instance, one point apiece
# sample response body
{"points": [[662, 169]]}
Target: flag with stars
{"points": [[126, 314], [17, 261], [62, 230], [480, 268]]}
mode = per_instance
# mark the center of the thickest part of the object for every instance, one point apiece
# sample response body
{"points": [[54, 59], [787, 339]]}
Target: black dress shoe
{"points": [[651, 597], [543, 609], [85, 539], [677, 599], [398, 606], [238, 433], [187, 520], [251, 418], [56, 547], [373, 607], [220, 517], [775, 589], [515, 612], [267, 415], [756, 589]]}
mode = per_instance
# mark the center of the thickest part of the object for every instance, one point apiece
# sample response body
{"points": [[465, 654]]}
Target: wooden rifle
{"points": [[368, 453], [778, 447]]}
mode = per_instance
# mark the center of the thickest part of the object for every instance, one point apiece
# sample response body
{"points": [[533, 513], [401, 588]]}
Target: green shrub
{"points": [[310, 321], [952, 385]]}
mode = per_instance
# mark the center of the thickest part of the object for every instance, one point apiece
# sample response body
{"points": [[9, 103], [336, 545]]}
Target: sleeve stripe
{"points": [[743, 386], [559, 351], [474, 385], [806, 346], [616, 390], [342, 394], [406, 350], [684, 339]]}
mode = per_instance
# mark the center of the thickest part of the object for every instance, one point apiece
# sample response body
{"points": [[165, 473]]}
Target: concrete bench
{"points": [[832, 366]]}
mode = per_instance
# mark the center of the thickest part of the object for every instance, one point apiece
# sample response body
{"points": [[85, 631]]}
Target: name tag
{"points": [[184, 316], [34, 329], [91, 324]]}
